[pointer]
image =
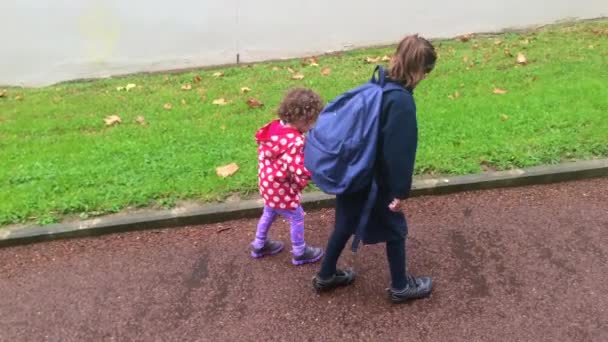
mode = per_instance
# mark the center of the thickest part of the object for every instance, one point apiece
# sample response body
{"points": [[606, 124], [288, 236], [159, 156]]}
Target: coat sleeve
{"points": [[298, 172], [399, 143]]}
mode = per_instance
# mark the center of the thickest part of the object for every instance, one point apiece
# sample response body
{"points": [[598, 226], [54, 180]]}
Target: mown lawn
{"points": [[58, 156]]}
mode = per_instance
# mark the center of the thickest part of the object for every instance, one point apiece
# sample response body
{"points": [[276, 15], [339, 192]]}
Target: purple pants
{"points": [[296, 220]]}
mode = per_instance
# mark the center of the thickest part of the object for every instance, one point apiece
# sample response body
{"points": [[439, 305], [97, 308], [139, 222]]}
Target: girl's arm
{"points": [[399, 143]]}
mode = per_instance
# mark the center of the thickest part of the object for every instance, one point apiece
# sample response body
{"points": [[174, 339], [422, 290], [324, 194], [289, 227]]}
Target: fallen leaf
{"points": [[184, 102], [371, 60], [312, 61], [254, 103], [187, 87], [227, 170], [590, 47], [245, 90], [326, 71], [121, 98], [197, 78], [275, 68], [19, 97], [112, 119], [454, 96], [521, 59], [475, 46], [465, 59], [218, 74], [140, 120], [168, 106], [504, 117], [120, 88], [525, 41], [220, 102], [297, 76], [465, 38], [462, 84], [386, 58], [3, 92], [499, 91], [497, 42], [291, 70], [130, 86], [508, 52]]}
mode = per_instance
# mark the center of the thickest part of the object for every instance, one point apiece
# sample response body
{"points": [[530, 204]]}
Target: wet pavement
{"points": [[525, 264]]}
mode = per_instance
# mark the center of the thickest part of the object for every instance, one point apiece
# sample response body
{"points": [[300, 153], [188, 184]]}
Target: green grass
{"points": [[58, 157]]}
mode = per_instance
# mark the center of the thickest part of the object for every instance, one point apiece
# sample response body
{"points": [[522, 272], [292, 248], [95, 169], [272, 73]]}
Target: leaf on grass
{"points": [[275, 68], [130, 86], [197, 78], [112, 120], [508, 52], [521, 59], [19, 97], [245, 90], [3, 92], [590, 47], [371, 60], [326, 71], [140, 120], [291, 71], [497, 42], [218, 74], [120, 88], [499, 91], [386, 58], [220, 102], [465, 59], [526, 41], [184, 102], [454, 96], [168, 106], [504, 117], [465, 38], [254, 103], [297, 76], [227, 170], [187, 87], [312, 61]]}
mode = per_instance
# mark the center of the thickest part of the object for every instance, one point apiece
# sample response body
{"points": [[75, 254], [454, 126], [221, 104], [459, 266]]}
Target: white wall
{"points": [[46, 41]]}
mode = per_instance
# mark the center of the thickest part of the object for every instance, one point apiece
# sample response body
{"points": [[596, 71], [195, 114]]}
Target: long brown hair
{"points": [[415, 57]]}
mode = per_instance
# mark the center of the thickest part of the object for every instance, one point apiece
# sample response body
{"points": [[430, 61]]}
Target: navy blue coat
{"points": [[396, 156]]}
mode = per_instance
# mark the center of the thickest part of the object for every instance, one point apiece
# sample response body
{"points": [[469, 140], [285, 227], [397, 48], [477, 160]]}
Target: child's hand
{"points": [[395, 205]]}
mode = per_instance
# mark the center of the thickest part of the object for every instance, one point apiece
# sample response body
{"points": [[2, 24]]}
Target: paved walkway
{"points": [[527, 264]]}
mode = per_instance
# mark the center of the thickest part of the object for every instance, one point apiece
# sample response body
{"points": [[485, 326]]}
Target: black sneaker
{"points": [[341, 278], [270, 248], [310, 255], [417, 288]]}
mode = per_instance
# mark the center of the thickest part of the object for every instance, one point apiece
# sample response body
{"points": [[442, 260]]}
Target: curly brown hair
{"points": [[300, 104]]}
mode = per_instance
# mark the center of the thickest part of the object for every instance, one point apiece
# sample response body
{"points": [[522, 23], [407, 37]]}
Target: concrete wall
{"points": [[46, 41]]}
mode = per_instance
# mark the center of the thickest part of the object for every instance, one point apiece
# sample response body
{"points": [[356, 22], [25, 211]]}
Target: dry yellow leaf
{"points": [[245, 90], [504, 117], [218, 74], [499, 91], [297, 76], [130, 86], [19, 97], [275, 68], [140, 120], [521, 59], [465, 59], [168, 106], [227, 170], [187, 87], [326, 71], [497, 42], [196, 78], [291, 70], [254, 103], [3, 92], [184, 102], [112, 119], [372, 59], [120, 88], [386, 58], [220, 102]]}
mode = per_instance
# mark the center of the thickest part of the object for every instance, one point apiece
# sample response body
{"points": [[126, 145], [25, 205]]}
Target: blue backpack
{"points": [[340, 151]]}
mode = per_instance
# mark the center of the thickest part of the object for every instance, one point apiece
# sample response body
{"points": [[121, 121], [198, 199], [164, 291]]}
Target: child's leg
{"points": [[268, 217], [302, 254], [346, 220], [395, 253]]}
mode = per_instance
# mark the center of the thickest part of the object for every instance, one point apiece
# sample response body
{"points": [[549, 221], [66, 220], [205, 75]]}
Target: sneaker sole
{"points": [[308, 261], [271, 253]]}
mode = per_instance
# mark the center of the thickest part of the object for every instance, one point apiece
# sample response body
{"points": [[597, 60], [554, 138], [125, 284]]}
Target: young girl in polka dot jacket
{"points": [[282, 175]]}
